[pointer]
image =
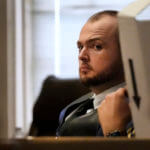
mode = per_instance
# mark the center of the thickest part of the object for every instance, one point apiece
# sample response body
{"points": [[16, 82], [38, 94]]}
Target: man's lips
{"points": [[85, 68]]}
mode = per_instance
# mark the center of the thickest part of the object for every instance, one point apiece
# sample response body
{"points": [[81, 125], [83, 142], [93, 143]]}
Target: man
{"points": [[100, 68]]}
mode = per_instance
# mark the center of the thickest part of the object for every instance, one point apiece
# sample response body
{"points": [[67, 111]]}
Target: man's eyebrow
{"points": [[94, 39], [78, 42], [90, 40]]}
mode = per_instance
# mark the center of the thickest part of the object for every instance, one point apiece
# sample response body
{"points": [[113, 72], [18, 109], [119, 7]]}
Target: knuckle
{"points": [[120, 92], [109, 96]]}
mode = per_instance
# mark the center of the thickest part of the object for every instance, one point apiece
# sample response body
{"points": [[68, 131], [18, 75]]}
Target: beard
{"points": [[103, 77]]}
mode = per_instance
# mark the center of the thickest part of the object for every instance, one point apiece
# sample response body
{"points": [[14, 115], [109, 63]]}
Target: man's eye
{"points": [[98, 47], [80, 48]]}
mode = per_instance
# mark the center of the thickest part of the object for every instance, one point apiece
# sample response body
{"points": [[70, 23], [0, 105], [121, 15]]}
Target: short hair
{"points": [[98, 15]]}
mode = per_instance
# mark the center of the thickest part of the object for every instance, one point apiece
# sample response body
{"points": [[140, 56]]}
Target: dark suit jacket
{"points": [[74, 121]]}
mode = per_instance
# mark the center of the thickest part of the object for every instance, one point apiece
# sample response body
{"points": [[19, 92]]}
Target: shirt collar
{"points": [[100, 97]]}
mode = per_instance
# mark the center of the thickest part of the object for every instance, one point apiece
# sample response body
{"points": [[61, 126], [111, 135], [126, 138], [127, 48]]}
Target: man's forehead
{"points": [[103, 28], [104, 22]]}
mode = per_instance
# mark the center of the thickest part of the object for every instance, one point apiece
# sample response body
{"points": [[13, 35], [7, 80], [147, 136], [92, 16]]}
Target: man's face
{"points": [[99, 54]]}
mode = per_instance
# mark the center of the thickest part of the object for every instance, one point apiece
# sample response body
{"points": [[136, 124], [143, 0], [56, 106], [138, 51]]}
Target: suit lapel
{"points": [[71, 107]]}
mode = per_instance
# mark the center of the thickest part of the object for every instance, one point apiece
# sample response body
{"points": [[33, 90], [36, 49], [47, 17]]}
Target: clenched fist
{"points": [[114, 112]]}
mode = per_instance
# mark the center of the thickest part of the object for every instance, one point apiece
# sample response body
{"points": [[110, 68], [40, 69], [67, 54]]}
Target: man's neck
{"points": [[102, 87]]}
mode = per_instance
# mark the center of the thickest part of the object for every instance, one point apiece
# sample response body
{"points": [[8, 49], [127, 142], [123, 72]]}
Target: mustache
{"points": [[86, 65]]}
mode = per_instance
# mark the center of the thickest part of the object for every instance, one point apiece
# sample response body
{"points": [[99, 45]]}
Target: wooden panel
{"points": [[69, 143], [3, 70], [7, 60]]}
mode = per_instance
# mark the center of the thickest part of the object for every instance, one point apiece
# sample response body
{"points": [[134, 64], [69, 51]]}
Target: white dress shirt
{"points": [[100, 97]]}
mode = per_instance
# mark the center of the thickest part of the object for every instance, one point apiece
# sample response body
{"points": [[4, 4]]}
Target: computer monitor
{"points": [[134, 30]]}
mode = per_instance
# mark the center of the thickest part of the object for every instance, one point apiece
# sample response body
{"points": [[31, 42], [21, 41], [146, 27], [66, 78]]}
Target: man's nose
{"points": [[84, 54]]}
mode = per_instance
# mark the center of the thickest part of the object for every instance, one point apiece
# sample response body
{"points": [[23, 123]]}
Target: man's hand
{"points": [[114, 112]]}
